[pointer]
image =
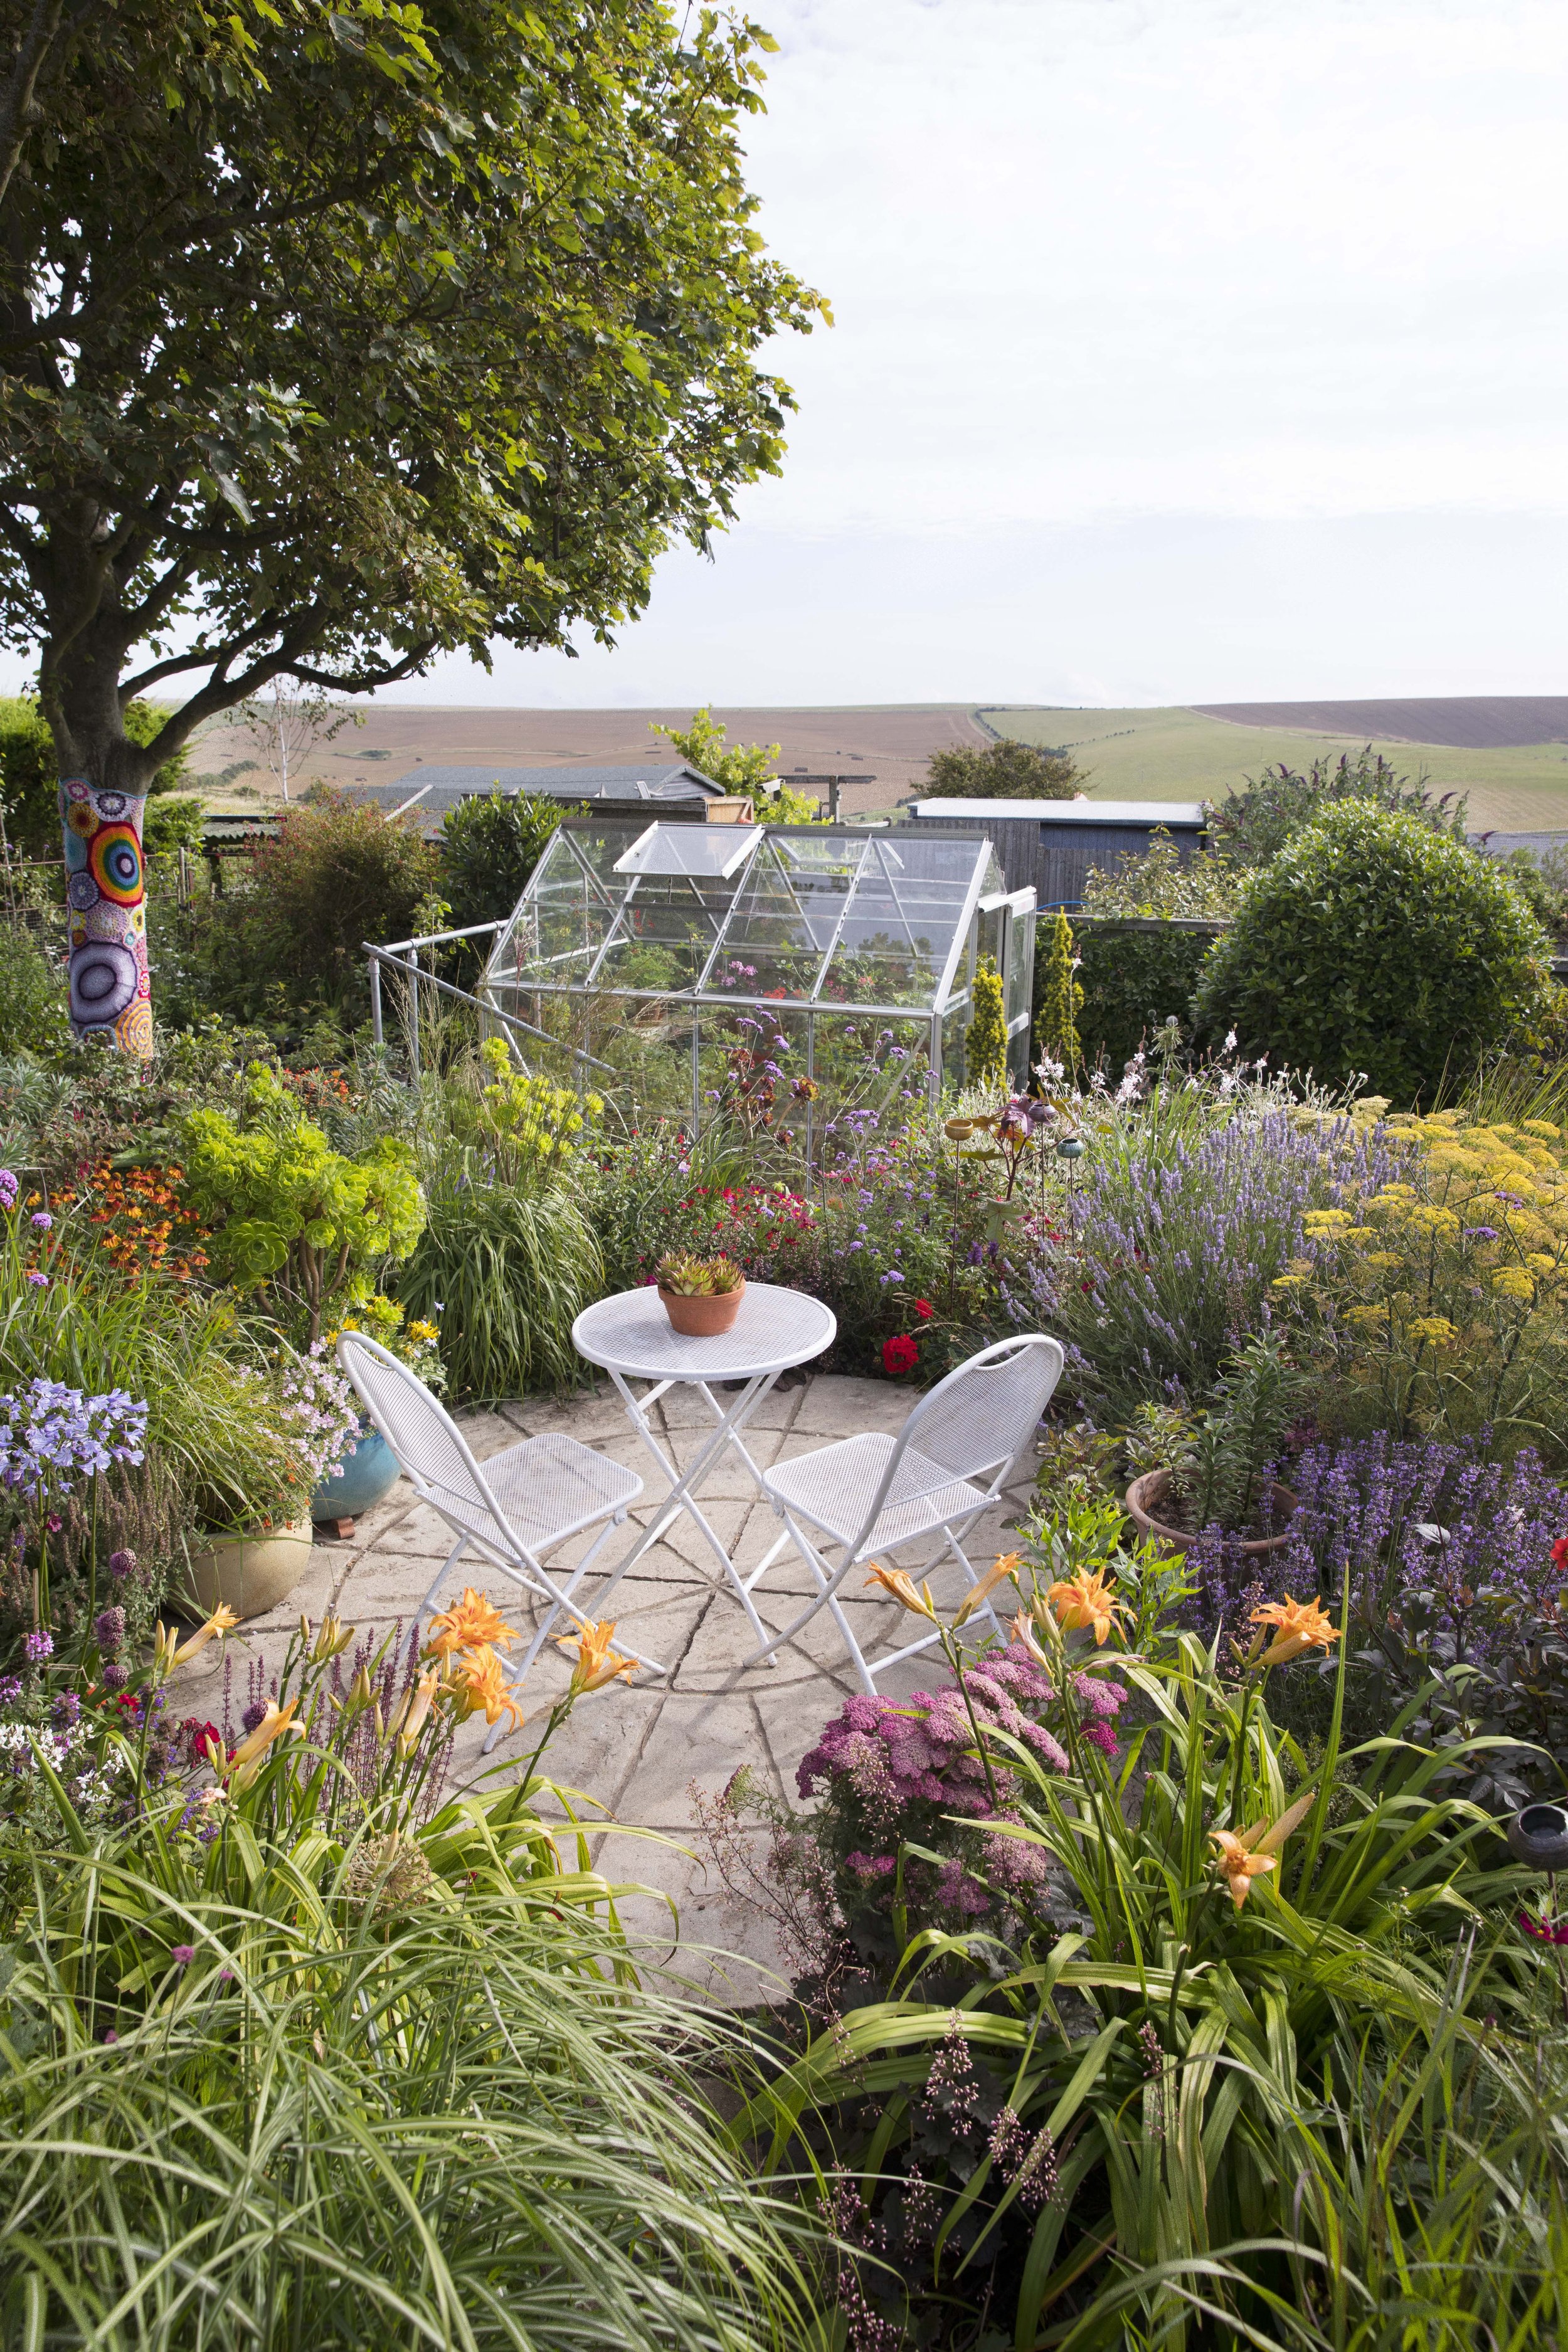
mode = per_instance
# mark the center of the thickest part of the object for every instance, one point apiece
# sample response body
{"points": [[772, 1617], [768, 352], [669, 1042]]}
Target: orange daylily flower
{"points": [[408, 1717], [172, 1654], [1300, 1625], [472, 1624], [1250, 1855], [1024, 1633], [597, 1663], [1085, 1600], [901, 1586], [1007, 1564], [481, 1684], [277, 1720]]}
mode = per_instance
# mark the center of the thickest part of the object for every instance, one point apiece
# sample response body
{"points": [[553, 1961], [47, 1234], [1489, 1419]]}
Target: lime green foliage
{"points": [[1374, 944], [1250, 826], [1004, 770], [414, 1342], [31, 770], [356, 2068], [985, 1039], [527, 1128], [1061, 1001], [294, 1216], [739, 767], [32, 1014], [686, 1276], [489, 847]]}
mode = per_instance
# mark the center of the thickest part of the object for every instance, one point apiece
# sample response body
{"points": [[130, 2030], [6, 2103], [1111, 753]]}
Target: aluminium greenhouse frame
{"points": [[677, 919]]}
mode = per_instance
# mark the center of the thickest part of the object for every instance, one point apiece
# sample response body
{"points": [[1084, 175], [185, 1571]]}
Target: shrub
{"points": [[1374, 945], [1163, 883], [1055, 1028], [985, 1039], [1003, 771], [1249, 827], [1135, 984], [489, 847], [33, 1008], [338, 874]]}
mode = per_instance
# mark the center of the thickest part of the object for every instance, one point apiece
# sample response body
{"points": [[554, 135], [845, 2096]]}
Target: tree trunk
{"points": [[102, 800]]}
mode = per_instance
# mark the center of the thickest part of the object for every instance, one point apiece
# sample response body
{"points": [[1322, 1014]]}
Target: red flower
{"points": [[924, 1309], [900, 1354], [1560, 1553]]}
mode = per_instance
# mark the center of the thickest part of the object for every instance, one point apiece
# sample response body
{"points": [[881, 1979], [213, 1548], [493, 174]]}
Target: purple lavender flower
{"points": [[38, 1646]]}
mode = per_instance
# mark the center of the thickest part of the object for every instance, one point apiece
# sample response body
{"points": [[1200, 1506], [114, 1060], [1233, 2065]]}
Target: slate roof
{"points": [[434, 790]]}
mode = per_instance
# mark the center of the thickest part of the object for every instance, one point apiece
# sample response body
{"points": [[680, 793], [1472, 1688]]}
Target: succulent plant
{"points": [[698, 1277]]}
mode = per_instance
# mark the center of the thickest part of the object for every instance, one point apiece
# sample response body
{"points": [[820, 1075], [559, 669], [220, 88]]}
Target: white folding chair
{"points": [[865, 1496], [525, 1502]]}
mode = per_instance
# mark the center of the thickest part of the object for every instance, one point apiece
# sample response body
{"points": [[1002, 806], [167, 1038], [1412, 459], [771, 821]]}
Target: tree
{"points": [[287, 723], [490, 846], [1249, 827], [749, 768], [1061, 1001], [1003, 771], [335, 337], [985, 1039]]}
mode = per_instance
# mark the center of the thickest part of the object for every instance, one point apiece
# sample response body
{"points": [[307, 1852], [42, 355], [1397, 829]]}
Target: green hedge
{"points": [[1134, 977]]}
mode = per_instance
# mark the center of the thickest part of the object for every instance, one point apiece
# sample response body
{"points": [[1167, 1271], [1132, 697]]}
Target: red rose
{"points": [[900, 1354], [924, 1309]]}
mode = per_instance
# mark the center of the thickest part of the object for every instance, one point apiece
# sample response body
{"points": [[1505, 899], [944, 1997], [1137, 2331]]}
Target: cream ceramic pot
{"points": [[251, 1573]]}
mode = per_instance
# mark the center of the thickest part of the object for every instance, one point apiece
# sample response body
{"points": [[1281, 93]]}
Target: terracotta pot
{"points": [[703, 1318], [252, 1574], [1146, 1494]]}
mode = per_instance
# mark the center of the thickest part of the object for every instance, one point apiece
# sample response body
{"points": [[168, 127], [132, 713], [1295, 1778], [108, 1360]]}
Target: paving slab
{"points": [[639, 1749]]}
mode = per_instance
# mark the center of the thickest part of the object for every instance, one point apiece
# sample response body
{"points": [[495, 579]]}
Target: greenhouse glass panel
{"points": [[719, 969]]}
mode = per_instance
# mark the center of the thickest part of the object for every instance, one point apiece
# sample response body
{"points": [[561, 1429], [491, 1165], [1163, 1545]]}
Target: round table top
{"points": [[631, 1334]]}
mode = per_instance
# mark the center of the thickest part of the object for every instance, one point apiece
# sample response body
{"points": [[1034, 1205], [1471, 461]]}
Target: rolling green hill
{"points": [[1180, 755]]}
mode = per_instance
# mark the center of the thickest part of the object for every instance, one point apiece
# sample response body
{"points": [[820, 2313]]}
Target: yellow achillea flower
{"points": [[1513, 1282], [1435, 1331], [1325, 1224]]}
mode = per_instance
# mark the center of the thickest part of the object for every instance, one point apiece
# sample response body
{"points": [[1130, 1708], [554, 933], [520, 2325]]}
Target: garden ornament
{"points": [[1071, 1147], [1539, 1836]]}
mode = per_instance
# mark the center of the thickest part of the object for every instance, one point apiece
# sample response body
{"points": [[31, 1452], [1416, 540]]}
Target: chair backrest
{"points": [[426, 1440], [978, 1420]]}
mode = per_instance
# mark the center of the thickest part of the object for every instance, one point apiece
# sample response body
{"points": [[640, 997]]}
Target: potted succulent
{"points": [[1210, 1468], [701, 1295]]}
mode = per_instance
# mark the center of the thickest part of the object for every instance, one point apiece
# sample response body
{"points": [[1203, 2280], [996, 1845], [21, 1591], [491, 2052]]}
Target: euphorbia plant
{"points": [[294, 1217]]}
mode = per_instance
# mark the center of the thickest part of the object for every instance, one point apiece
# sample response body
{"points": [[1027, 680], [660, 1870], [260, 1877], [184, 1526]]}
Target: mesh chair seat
{"points": [[546, 1487], [835, 1486]]}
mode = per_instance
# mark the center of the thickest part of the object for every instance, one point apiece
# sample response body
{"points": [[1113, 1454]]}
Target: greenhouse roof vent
{"points": [[690, 849]]}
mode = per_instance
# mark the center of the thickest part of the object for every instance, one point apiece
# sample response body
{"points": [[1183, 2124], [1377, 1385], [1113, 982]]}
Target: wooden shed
{"points": [[1052, 845]]}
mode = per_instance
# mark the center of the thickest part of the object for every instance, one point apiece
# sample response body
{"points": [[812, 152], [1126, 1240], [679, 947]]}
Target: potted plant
{"points": [[1210, 1468], [701, 1295], [256, 1542], [367, 1469]]}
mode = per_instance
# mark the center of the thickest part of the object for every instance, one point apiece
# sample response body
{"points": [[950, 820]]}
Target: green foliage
{"points": [[356, 2068], [33, 1013], [293, 1216], [1061, 1001], [1218, 1456], [526, 1129], [489, 847], [1375, 944], [1249, 827], [1162, 882], [31, 770], [739, 767], [171, 826], [1542, 883], [1003, 771], [508, 1272], [1135, 984], [570, 191], [1179, 2075], [985, 1039]]}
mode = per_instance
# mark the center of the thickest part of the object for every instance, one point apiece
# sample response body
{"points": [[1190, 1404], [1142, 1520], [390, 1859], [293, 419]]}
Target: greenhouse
{"points": [[754, 968]]}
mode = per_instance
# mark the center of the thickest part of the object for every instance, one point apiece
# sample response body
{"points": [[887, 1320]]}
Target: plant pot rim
{"points": [[1150, 1488]]}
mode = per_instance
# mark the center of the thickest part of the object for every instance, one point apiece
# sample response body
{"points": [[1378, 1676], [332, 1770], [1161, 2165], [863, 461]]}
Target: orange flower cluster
{"points": [[141, 1225]]}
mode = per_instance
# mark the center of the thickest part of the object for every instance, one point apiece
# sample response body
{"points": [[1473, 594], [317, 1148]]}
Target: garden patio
{"points": [[639, 1748]]}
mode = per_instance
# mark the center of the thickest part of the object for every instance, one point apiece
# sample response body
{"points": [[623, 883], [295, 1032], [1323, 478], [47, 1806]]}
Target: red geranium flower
{"points": [[924, 1309], [1559, 1552], [900, 1354]]}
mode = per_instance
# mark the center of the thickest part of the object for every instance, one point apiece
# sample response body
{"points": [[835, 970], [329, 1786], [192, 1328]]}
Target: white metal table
{"points": [[631, 1337]]}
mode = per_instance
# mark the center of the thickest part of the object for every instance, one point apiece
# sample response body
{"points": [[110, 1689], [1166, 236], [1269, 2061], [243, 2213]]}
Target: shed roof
{"points": [[1175, 813]]}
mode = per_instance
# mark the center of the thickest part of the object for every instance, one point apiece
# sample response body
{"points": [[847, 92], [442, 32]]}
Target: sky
{"points": [[1185, 350]]}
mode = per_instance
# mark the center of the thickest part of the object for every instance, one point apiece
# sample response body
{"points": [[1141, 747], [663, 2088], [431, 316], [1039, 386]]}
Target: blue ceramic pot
{"points": [[369, 1472]]}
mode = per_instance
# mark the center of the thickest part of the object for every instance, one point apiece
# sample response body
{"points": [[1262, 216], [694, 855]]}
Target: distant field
{"points": [[1184, 754]]}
